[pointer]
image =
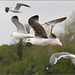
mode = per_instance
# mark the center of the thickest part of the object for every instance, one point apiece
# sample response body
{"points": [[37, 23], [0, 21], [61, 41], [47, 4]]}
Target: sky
{"points": [[47, 10]]}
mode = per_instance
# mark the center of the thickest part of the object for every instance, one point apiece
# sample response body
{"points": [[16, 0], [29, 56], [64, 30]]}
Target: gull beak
{"points": [[54, 44], [11, 35], [25, 42]]}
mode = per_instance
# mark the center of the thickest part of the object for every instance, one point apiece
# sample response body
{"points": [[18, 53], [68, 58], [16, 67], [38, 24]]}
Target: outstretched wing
{"points": [[61, 54], [55, 57], [19, 26], [19, 5], [39, 30], [52, 23]]}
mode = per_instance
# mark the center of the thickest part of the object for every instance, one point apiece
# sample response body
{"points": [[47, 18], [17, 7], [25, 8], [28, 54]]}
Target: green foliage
{"points": [[20, 49], [1, 56], [35, 60], [17, 68]]}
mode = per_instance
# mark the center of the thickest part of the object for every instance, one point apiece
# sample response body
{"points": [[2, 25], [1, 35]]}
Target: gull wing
{"points": [[19, 26], [55, 57], [38, 29], [52, 23], [52, 62], [28, 28], [18, 5], [61, 54]]}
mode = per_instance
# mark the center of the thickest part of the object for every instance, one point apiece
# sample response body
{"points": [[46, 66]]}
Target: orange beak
{"points": [[25, 42]]}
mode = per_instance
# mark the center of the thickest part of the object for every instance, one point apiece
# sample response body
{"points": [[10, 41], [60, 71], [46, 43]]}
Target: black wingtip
{"points": [[49, 66], [16, 17], [6, 9], [34, 17], [28, 6], [64, 18], [60, 19]]}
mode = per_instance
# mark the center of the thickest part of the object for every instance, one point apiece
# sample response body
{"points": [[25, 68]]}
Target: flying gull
{"points": [[21, 30], [16, 9], [43, 32], [56, 56]]}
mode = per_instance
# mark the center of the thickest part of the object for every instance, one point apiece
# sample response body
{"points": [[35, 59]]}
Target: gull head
{"points": [[28, 41], [14, 34]]}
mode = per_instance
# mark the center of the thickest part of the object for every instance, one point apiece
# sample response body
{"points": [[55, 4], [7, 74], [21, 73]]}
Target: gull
{"points": [[21, 31], [16, 9], [56, 56], [43, 32]]}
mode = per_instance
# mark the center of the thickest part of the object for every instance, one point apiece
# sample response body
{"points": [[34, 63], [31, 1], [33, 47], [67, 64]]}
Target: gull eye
{"points": [[28, 39]]}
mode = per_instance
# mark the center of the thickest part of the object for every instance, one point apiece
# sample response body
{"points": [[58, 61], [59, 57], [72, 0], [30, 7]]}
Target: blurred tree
{"points": [[17, 68], [20, 49]]}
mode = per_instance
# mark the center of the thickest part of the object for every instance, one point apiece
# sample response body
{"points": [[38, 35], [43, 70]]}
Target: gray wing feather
{"points": [[19, 26], [39, 30], [53, 23], [55, 57], [60, 54], [28, 28], [19, 5], [52, 61]]}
